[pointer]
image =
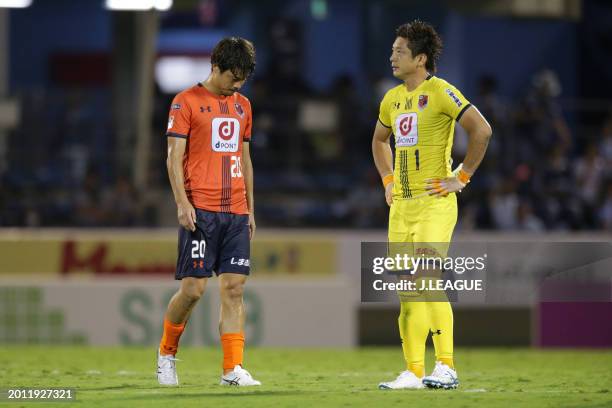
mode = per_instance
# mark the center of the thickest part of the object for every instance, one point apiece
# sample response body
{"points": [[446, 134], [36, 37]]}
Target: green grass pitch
{"points": [[125, 377]]}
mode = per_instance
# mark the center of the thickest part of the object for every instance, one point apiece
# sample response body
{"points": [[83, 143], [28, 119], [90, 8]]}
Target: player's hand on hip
{"points": [[187, 216], [442, 187], [252, 226], [389, 194]]}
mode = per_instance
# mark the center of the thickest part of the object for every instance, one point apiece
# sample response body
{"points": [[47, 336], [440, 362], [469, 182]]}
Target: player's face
{"points": [[403, 63], [228, 82]]}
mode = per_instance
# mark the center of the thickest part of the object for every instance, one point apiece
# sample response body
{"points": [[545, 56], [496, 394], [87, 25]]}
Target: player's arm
{"points": [[383, 157], [247, 171], [479, 132], [174, 163]]}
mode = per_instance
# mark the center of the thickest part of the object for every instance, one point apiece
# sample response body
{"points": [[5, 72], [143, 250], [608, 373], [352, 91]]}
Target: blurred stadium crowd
{"points": [[542, 171]]}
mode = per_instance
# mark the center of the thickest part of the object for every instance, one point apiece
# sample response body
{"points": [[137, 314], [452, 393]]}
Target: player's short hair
{"points": [[422, 39], [235, 54]]}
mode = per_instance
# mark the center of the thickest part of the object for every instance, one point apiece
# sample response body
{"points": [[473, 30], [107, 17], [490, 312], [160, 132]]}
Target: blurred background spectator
{"points": [[72, 159]]}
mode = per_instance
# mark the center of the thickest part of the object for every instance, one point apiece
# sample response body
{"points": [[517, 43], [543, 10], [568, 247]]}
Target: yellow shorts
{"points": [[427, 222], [422, 227]]}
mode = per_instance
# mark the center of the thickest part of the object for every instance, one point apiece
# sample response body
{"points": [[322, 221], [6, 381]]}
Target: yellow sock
{"points": [[447, 361], [414, 327], [441, 325]]}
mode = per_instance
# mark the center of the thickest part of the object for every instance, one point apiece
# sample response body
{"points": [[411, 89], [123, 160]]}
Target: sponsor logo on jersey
{"points": [[170, 122], [176, 106], [454, 97], [396, 105], [239, 109], [225, 134], [240, 261], [423, 99], [406, 130], [205, 109]]}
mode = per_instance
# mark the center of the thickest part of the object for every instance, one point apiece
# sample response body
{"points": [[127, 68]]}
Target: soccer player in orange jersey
{"points": [[210, 170]]}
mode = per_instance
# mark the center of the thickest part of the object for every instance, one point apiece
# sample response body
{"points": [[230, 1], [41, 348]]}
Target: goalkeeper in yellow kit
{"points": [[420, 189]]}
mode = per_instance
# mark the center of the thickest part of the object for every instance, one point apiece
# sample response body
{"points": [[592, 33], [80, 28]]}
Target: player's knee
{"points": [[232, 291], [192, 293]]}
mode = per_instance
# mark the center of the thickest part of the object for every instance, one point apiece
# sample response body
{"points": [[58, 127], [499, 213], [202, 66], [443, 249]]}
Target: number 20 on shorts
{"points": [[198, 248]]}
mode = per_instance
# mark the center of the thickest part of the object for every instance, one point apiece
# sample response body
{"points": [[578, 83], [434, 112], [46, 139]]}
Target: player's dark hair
{"points": [[422, 39], [235, 54]]}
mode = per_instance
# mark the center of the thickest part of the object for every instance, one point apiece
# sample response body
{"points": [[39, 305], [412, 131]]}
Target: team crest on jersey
{"points": [[423, 99], [239, 109], [454, 97]]}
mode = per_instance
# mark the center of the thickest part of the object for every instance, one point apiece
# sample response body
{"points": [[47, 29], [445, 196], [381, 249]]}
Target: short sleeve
{"points": [[179, 118], [384, 115], [452, 101], [248, 128]]}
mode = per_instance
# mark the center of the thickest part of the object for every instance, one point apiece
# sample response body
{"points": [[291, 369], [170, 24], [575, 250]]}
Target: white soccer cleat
{"points": [[166, 370], [406, 380], [442, 377], [239, 377]]}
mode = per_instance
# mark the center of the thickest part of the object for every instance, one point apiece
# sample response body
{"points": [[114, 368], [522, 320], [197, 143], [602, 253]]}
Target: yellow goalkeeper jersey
{"points": [[423, 123]]}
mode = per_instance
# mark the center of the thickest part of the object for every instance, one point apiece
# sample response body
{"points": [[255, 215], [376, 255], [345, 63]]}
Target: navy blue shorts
{"points": [[220, 243]]}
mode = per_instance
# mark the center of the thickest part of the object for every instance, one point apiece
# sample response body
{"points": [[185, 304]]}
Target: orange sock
{"points": [[233, 349], [170, 338]]}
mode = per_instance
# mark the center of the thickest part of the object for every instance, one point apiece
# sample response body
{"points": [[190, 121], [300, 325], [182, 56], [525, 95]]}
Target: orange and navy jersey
{"points": [[215, 127]]}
